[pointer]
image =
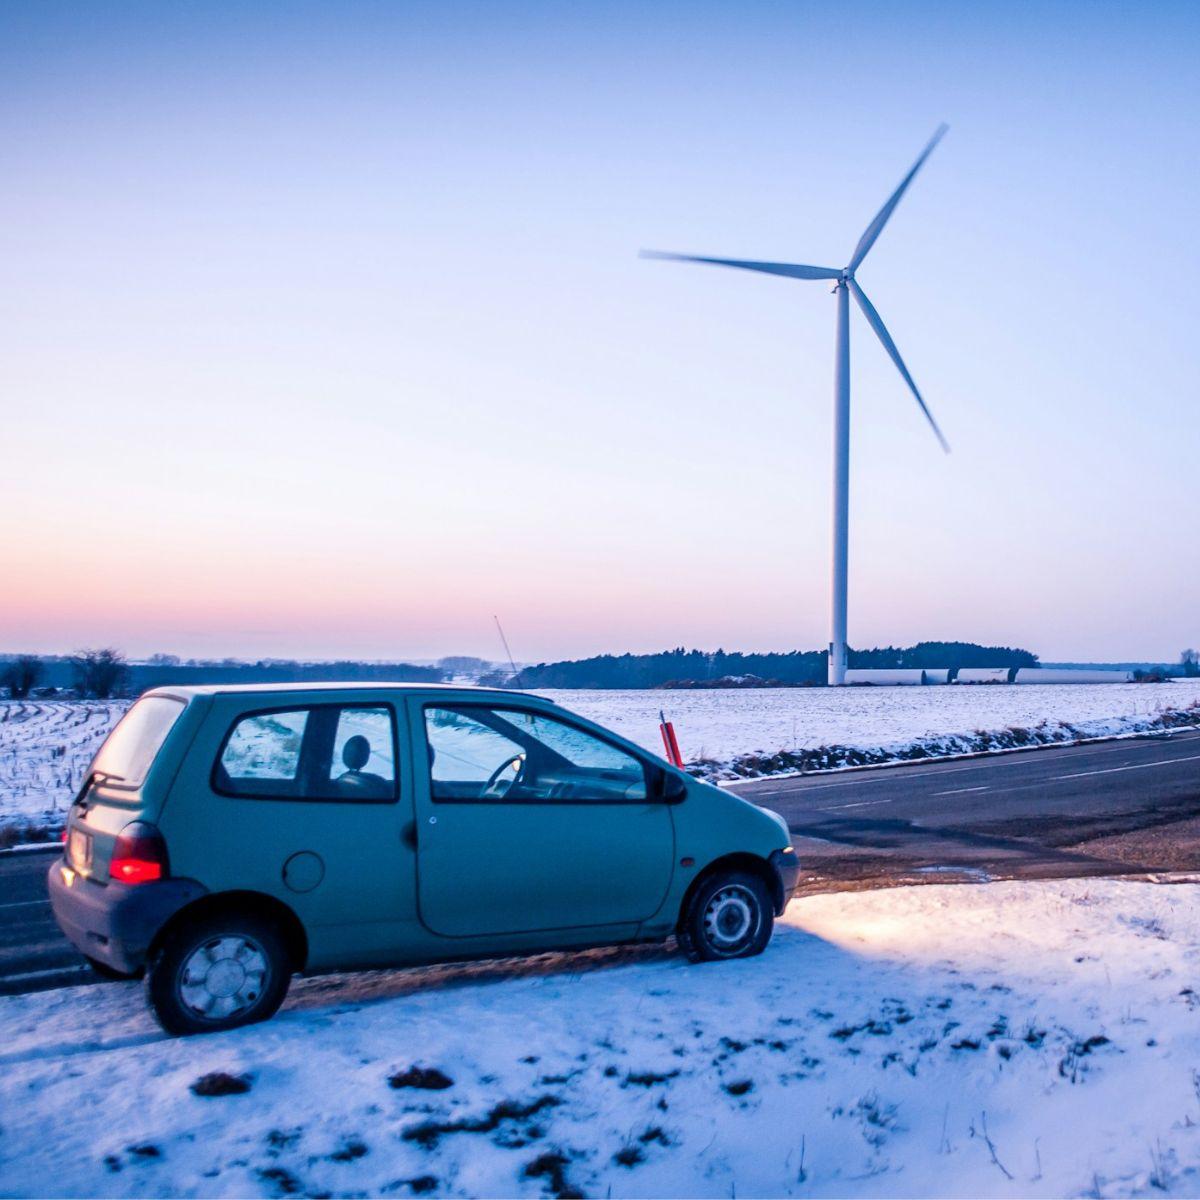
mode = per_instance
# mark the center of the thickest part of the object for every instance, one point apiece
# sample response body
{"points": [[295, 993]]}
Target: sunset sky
{"points": [[323, 331]]}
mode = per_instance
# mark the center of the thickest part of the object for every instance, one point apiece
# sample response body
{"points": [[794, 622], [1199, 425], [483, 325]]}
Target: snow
{"points": [[722, 724], [45, 746], [875, 1048]]}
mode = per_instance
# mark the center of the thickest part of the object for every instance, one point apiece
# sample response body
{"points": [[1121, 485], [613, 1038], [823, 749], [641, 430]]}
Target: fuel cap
{"points": [[303, 872]]}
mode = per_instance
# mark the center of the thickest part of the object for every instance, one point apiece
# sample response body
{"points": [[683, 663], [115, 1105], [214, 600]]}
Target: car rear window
{"points": [[131, 747]]}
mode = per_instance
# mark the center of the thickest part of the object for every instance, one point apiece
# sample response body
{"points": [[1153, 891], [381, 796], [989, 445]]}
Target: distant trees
{"points": [[1151, 674], [502, 679], [22, 675], [1189, 663], [931, 655], [98, 674], [463, 664], [345, 670], [653, 670], [797, 668]]}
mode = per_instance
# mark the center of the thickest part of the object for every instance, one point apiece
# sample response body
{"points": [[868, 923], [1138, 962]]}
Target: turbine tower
{"points": [[845, 286]]}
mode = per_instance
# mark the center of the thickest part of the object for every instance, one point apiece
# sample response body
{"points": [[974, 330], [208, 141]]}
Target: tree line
{"points": [[795, 668], [105, 673], [96, 674], [100, 674]]}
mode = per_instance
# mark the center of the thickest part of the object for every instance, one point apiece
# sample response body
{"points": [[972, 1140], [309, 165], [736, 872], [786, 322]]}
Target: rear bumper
{"points": [[787, 869], [115, 922]]}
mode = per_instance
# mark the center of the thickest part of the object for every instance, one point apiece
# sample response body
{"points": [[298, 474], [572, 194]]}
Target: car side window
{"points": [[318, 752], [486, 754], [464, 752], [363, 760], [265, 747]]}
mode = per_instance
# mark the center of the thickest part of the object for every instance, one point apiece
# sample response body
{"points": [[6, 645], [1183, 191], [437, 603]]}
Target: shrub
{"points": [[98, 674], [22, 675]]}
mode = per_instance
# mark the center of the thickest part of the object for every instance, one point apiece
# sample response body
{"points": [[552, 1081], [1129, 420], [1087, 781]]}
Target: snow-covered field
{"points": [[723, 725], [46, 745], [1011, 1039]]}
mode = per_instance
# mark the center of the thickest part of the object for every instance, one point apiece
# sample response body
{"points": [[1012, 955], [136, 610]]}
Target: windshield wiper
{"points": [[96, 777]]}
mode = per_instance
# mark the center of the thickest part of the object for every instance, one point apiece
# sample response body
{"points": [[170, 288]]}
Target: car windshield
{"points": [[130, 749]]}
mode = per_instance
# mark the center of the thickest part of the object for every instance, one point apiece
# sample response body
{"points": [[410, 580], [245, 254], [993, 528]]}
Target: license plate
{"points": [[81, 849]]}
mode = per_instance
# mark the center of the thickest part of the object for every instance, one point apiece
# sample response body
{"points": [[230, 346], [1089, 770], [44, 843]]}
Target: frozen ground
{"points": [[1010, 1039], [45, 746], [723, 725]]}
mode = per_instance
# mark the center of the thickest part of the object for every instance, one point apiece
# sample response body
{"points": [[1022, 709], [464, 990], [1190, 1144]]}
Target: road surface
{"points": [[1126, 806], [1120, 807]]}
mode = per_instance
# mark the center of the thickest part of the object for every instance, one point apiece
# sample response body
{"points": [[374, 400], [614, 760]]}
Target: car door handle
{"points": [[408, 835]]}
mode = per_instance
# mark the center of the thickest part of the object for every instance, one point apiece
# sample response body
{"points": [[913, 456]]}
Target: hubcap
{"points": [[729, 918], [223, 977]]}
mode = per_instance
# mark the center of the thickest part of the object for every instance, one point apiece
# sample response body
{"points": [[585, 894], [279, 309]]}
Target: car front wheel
{"points": [[729, 916], [218, 973]]}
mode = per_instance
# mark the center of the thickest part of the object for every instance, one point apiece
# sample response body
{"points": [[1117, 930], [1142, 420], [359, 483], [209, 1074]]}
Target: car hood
{"points": [[783, 825]]}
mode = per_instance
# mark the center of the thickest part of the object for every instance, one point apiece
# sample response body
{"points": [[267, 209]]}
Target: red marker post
{"points": [[669, 740]]}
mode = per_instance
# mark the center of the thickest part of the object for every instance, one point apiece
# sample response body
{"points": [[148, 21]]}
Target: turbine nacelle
{"points": [[845, 276]]}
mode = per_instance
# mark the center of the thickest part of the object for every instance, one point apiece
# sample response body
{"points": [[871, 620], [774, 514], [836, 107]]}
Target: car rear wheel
{"points": [[218, 973], [729, 916]]}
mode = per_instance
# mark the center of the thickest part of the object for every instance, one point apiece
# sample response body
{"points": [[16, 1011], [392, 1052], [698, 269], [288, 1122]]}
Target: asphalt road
{"points": [[1121, 807], [33, 954], [1127, 806]]}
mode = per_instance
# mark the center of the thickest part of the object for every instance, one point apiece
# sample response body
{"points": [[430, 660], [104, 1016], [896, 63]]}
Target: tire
{"points": [[110, 974], [218, 973], [730, 915]]}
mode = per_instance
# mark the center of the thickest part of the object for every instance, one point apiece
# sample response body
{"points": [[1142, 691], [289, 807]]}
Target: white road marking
{"points": [[56, 971], [25, 904], [997, 790], [858, 804], [985, 763], [816, 787], [1164, 762], [852, 779]]}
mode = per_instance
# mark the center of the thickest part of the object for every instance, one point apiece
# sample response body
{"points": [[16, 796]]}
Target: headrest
{"points": [[356, 752]]}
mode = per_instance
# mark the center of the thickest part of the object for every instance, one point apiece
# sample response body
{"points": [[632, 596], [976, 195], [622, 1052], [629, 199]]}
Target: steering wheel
{"points": [[517, 761]]}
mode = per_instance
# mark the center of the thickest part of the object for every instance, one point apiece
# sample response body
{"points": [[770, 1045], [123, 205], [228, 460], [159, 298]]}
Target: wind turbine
{"points": [[846, 286]]}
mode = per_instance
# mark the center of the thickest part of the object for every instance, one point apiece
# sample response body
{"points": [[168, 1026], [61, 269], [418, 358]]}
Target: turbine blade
{"points": [[876, 323], [881, 218], [792, 270]]}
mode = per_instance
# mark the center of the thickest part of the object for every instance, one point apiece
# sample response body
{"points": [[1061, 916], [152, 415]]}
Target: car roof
{"points": [[187, 691]]}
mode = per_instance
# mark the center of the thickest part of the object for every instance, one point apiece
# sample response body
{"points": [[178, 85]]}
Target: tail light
{"points": [[139, 855]]}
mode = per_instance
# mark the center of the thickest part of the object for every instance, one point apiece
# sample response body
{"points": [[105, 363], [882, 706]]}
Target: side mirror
{"points": [[672, 789]]}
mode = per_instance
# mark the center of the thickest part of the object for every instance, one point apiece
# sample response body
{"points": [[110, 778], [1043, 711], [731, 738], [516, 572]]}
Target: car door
{"points": [[306, 800], [529, 822]]}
